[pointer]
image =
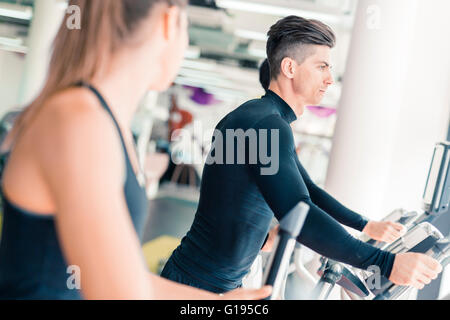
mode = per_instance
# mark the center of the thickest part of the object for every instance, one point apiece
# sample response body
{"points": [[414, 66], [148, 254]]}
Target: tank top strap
{"points": [[139, 175], [107, 108]]}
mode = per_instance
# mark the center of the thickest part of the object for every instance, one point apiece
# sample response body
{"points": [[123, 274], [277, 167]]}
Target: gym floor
{"points": [[173, 217], [169, 217]]}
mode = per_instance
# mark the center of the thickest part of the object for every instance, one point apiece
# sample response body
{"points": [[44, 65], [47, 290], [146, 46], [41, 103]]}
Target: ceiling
{"points": [[227, 37]]}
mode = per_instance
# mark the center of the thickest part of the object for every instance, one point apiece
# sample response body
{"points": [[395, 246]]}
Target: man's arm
{"points": [[286, 188], [385, 231], [330, 205]]}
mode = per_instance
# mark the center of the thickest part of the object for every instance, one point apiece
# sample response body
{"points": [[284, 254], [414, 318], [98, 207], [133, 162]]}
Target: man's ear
{"points": [[288, 66], [171, 22]]}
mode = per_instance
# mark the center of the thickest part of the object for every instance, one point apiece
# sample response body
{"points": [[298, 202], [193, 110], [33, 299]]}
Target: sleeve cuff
{"points": [[363, 224], [265, 241], [387, 267]]}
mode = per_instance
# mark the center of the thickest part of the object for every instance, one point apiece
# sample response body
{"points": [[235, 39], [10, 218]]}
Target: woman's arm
{"points": [[83, 165], [169, 290]]}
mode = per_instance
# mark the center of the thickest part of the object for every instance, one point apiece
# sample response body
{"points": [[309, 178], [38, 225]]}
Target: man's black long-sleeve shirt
{"points": [[239, 199]]}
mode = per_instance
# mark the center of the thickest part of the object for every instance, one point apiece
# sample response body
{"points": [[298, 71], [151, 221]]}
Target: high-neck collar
{"points": [[286, 111]]}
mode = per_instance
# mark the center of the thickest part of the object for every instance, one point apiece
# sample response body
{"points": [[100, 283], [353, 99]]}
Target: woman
{"points": [[73, 202]]}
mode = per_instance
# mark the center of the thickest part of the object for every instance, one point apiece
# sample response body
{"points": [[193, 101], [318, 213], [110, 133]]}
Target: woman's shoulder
{"points": [[75, 109], [73, 119], [73, 104], [75, 133]]}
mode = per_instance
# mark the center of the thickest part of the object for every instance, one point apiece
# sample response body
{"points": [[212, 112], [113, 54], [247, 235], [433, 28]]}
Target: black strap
{"points": [[139, 175], [106, 107]]}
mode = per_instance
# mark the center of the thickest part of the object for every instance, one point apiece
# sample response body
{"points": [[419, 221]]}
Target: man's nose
{"points": [[329, 80]]}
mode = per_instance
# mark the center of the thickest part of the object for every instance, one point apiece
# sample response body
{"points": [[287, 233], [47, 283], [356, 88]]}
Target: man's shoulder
{"points": [[249, 107], [262, 102], [249, 114]]}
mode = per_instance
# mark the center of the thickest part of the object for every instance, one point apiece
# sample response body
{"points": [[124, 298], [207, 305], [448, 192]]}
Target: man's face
{"points": [[313, 77]]}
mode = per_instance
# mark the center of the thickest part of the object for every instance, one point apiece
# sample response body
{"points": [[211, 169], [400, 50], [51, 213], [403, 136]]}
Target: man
{"points": [[239, 198]]}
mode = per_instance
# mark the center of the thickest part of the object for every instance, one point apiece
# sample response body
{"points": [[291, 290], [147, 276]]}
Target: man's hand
{"points": [[384, 231], [414, 269], [272, 235]]}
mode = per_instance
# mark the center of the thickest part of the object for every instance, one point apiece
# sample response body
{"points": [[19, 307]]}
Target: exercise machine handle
{"points": [[290, 227]]}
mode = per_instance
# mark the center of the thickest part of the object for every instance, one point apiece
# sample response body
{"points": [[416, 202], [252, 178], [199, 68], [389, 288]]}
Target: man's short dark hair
{"points": [[292, 37], [264, 75]]}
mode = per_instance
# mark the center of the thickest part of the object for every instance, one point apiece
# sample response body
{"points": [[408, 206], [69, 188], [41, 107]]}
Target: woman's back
{"points": [[23, 181], [32, 265]]}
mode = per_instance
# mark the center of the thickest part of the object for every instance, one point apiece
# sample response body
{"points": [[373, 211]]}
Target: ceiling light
{"points": [[16, 11], [252, 35], [192, 53], [274, 10], [198, 65]]}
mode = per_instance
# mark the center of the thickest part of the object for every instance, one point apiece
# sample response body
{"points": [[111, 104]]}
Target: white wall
{"points": [[11, 69], [47, 18], [394, 105]]}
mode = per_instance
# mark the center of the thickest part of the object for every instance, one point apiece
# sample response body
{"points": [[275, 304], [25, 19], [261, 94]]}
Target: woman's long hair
{"points": [[79, 55]]}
